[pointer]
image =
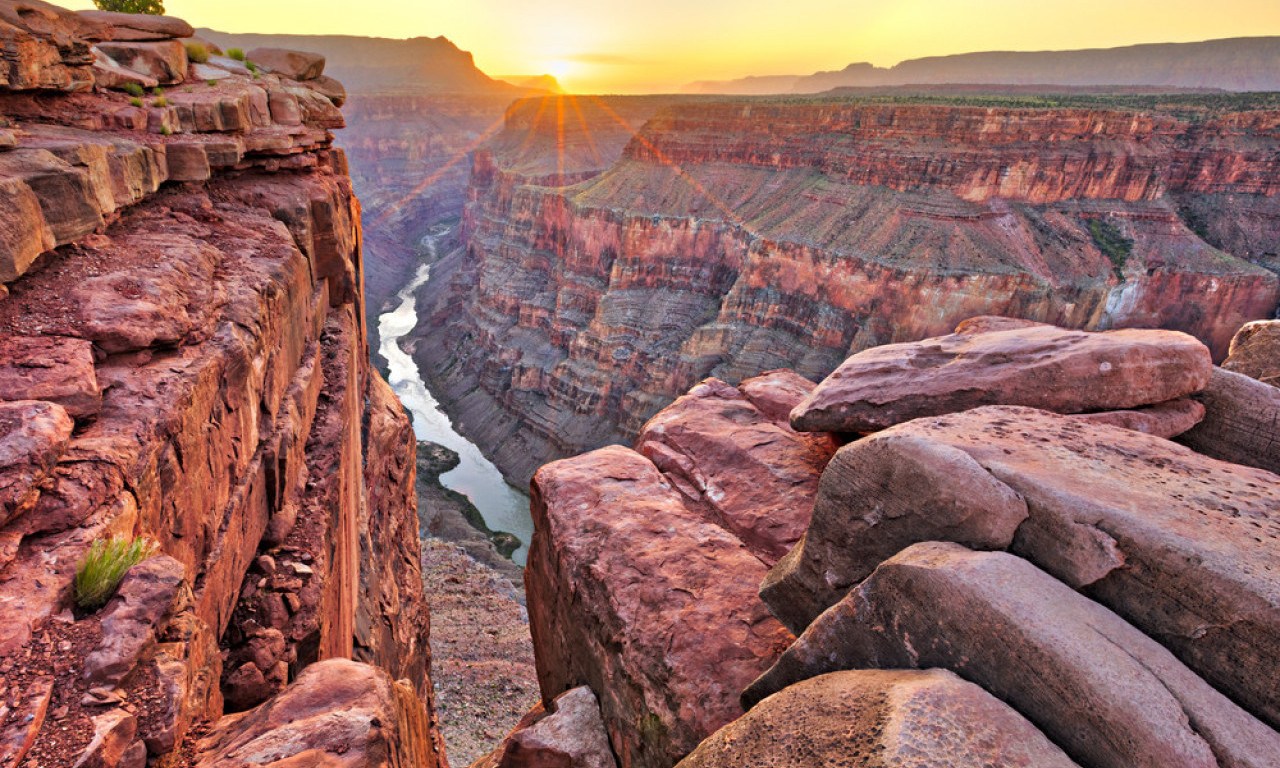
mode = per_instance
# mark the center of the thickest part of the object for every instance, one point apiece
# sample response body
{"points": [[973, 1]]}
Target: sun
{"points": [[559, 68]]}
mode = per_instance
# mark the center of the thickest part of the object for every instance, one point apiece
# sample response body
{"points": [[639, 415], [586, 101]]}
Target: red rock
{"points": [[134, 618], [295, 65], [134, 27], [29, 708], [616, 557], [1240, 421], [165, 61], [187, 161], [45, 47], [337, 712], [572, 736], [755, 477], [24, 235], [114, 743], [775, 393], [885, 719], [329, 88], [107, 73], [1174, 542], [1041, 367], [284, 107], [33, 436], [1255, 352], [1165, 420], [993, 323], [1108, 694], [53, 368]]}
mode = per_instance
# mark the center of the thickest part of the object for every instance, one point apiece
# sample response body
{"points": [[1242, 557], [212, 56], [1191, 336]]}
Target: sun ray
{"points": [[586, 131]]}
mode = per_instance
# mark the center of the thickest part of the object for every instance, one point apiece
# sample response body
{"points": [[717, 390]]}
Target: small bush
{"points": [[249, 65], [157, 91], [1113, 244], [166, 130], [101, 570], [236, 53], [197, 52], [211, 82], [137, 102], [154, 7], [133, 89], [160, 102]]}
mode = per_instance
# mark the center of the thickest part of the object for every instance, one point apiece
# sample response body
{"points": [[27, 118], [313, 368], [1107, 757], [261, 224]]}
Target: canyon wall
{"points": [[183, 359], [729, 238]]}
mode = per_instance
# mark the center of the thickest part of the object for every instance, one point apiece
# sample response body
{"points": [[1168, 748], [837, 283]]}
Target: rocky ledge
{"points": [[993, 555], [183, 360]]}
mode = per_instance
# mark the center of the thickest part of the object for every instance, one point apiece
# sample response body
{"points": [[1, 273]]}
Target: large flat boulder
{"points": [[295, 65], [1240, 423], [58, 369], [136, 27], [879, 719], [650, 605], [1255, 352], [1102, 690], [1180, 544], [165, 61], [753, 475], [1038, 366], [33, 436]]}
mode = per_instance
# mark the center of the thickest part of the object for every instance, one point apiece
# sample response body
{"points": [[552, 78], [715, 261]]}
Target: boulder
{"points": [[1240, 421], [208, 72], [45, 47], [1038, 366], [114, 743], [992, 323], [230, 65], [33, 436], [775, 393], [755, 477], [138, 27], [329, 88], [165, 61], [1179, 544], [134, 618], [879, 719], [337, 713], [211, 48], [1165, 420], [641, 599], [107, 73], [1110, 696], [58, 369], [1255, 352], [572, 736], [295, 65]]}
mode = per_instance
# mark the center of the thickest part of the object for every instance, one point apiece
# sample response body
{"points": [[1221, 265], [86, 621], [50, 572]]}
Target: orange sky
{"points": [[659, 45]]}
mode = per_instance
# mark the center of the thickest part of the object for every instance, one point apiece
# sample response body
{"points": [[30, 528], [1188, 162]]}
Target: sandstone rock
{"points": [[136, 27], [187, 161], [30, 707], [992, 324], [573, 736], [1255, 352], [866, 718], [228, 64], [45, 47], [24, 233], [107, 73], [207, 72], [1165, 420], [775, 393], [134, 619], [166, 61], [1240, 421], [337, 713], [53, 368], [1040, 366], [755, 477], [1108, 694], [33, 436], [65, 204], [114, 743], [616, 558], [1175, 542], [211, 48], [295, 65], [317, 109], [8, 139], [329, 88]]}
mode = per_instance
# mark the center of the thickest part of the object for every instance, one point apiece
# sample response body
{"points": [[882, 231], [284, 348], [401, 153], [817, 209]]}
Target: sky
{"points": [[659, 45]]}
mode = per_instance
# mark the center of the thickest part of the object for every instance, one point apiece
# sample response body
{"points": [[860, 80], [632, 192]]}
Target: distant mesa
{"points": [[1233, 64], [545, 83]]}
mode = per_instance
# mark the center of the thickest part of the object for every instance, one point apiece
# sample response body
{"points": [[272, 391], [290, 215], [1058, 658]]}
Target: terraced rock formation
{"points": [[734, 237]]}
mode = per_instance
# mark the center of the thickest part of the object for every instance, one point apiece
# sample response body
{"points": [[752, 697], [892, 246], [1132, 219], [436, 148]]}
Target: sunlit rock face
{"points": [[728, 238]]}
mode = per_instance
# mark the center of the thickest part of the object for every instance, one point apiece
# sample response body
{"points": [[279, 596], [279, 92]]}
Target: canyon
{"points": [[616, 251]]}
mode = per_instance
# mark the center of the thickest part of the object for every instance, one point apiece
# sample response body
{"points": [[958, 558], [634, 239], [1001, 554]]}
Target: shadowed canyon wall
{"points": [[729, 238]]}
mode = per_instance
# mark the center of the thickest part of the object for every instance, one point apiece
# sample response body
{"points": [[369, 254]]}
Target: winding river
{"points": [[503, 507]]}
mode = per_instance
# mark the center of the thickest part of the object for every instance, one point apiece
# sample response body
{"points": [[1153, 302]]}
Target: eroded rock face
{"points": [[1173, 541], [644, 601], [135, 618], [1073, 668], [33, 436], [572, 736], [297, 65], [867, 718], [1166, 420], [1240, 421], [731, 238], [1040, 366], [1255, 352]]}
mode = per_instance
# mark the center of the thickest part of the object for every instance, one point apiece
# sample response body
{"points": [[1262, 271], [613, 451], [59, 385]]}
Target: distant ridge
{"points": [[419, 64], [1233, 64]]}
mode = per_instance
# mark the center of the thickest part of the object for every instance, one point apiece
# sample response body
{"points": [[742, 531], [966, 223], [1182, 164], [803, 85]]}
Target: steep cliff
{"points": [[733, 237], [183, 359]]}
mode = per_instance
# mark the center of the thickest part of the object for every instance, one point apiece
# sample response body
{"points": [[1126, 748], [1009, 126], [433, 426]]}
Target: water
{"points": [[502, 507]]}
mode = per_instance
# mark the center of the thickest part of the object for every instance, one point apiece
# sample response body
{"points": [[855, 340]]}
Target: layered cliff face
{"points": [[734, 237], [183, 359]]}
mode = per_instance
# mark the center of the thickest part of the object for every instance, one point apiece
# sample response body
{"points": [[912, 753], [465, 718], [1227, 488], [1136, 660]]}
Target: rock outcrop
{"points": [[733, 237], [1255, 352], [183, 359]]}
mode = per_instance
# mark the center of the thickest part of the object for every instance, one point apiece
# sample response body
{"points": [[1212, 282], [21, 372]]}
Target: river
{"points": [[503, 507]]}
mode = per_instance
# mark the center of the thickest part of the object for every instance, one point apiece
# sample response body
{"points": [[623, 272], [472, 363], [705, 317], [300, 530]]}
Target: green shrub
{"points": [[160, 102], [133, 89], [157, 91], [153, 7], [236, 53], [1113, 244], [101, 570], [137, 102], [249, 65], [166, 130], [211, 82], [197, 52]]}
